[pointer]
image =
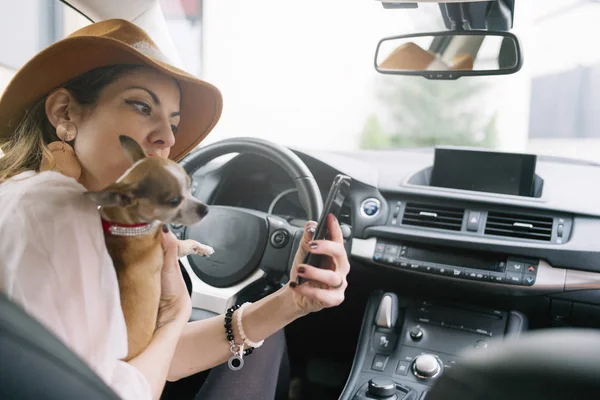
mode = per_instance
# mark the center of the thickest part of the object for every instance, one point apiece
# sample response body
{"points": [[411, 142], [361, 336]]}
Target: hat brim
{"points": [[201, 102]]}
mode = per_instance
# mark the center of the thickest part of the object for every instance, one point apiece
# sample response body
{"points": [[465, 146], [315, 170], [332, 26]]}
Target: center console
{"points": [[405, 345]]}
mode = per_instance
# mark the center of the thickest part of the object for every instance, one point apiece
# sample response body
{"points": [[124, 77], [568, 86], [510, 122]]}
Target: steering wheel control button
{"points": [[370, 208], [416, 334], [379, 362], [426, 366], [381, 388], [402, 368], [384, 342], [280, 238]]}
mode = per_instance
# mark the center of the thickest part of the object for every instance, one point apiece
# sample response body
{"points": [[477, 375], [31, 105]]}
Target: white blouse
{"points": [[54, 263]]}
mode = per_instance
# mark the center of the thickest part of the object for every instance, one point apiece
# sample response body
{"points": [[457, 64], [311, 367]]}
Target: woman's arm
{"points": [[154, 361], [203, 344]]}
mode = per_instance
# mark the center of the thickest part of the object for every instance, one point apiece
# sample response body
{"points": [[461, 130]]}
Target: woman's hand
{"points": [[326, 285], [175, 303]]}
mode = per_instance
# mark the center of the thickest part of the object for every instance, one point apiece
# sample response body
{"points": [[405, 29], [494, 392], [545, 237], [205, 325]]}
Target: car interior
{"points": [[475, 272]]}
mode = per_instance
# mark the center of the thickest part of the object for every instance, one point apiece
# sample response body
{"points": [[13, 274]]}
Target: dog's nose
{"points": [[202, 210]]}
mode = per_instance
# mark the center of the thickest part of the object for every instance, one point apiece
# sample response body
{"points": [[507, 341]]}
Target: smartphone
{"points": [[333, 205]]}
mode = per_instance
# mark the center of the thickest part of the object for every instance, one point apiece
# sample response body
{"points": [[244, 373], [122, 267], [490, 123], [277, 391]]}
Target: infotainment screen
{"points": [[484, 171]]}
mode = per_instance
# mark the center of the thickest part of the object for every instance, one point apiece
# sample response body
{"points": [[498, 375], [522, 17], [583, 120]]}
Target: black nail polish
{"points": [[165, 228], [293, 284], [313, 245], [301, 270]]}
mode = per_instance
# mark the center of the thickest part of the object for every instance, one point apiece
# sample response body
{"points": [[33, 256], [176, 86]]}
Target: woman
{"points": [[102, 81]]}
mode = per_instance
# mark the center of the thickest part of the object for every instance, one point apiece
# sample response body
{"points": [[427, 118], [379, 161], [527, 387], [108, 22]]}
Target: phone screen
{"points": [[333, 205]]}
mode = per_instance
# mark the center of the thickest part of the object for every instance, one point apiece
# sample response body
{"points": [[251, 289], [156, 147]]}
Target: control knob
{"points": [[416, 334], [381, 388], [426, 366]]}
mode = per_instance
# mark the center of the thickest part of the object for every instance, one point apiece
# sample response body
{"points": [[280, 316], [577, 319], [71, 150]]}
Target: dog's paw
{"points": [[202, 250]]}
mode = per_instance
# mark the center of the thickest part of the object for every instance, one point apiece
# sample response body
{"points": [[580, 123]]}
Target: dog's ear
{"points": [[107, 198], [113, 196], [132, 149]]}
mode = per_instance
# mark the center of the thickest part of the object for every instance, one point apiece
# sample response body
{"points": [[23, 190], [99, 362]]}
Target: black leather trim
{"points": [[550, 364], [36, 365]]}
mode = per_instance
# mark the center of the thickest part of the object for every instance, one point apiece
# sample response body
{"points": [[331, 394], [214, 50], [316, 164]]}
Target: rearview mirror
{"points": [[449, 54]]}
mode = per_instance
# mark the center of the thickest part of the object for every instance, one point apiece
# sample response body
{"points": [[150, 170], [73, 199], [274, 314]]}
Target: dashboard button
{"points": [[501, 266], [404, 264], [531, 269], [514, 278], [416, 267], [473, 221], [402, 367], [389, 259], [380, 247], [497, 278], [482, 276], [529, 280], [471, 275], [515, 266], [443, 271], [391, 249], [379, 362], [457, 273], [377, 256], [430, 268], [370, 208], [384, 342]]}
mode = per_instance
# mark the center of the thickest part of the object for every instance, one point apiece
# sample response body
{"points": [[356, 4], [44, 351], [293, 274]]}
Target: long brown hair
{"points": [[24, 149]]}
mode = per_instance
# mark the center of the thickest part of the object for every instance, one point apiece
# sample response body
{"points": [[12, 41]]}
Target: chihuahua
{"points": [[154, 190]]}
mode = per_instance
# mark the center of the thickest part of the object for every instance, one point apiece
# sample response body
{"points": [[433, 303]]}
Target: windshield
{"points": [[301, 74]]}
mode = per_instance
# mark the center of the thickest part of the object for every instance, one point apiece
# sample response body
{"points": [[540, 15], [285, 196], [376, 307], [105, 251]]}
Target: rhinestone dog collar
{"points": [[128, 230]]}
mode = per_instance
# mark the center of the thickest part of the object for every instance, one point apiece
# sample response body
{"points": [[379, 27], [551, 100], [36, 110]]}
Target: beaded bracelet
{"points": [[247, 342], [236, 361]]}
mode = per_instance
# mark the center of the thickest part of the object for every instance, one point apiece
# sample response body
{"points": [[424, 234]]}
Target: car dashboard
{"points": [[488, 242]]}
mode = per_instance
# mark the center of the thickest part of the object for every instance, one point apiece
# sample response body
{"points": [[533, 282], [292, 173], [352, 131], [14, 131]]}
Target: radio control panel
{"points": [[503, 269]]}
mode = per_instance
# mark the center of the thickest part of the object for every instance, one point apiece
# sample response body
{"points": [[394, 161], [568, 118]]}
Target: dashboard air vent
{"points": [[519, 226], [433, 216]]}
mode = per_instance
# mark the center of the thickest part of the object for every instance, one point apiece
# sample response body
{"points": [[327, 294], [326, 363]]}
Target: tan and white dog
{"points": [[155, 190]]}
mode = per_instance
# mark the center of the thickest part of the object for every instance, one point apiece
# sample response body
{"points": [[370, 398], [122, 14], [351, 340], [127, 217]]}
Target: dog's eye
{"points": [[175, 201]]}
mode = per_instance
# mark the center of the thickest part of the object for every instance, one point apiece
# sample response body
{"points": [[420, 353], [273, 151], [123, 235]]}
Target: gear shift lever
{"points": [[387, 314]]}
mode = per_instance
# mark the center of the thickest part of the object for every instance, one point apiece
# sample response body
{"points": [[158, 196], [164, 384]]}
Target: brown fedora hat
{"points": [[104, 43]]}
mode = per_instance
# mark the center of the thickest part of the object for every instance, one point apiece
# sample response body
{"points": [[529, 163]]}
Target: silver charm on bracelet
{"points": [[236, 361]]}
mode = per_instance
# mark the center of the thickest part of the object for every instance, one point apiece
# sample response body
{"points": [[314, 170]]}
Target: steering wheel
{"points": [[248, 243]]}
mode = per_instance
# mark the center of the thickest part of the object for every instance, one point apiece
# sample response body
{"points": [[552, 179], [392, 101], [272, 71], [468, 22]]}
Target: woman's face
{"points": [[143, 104]]}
